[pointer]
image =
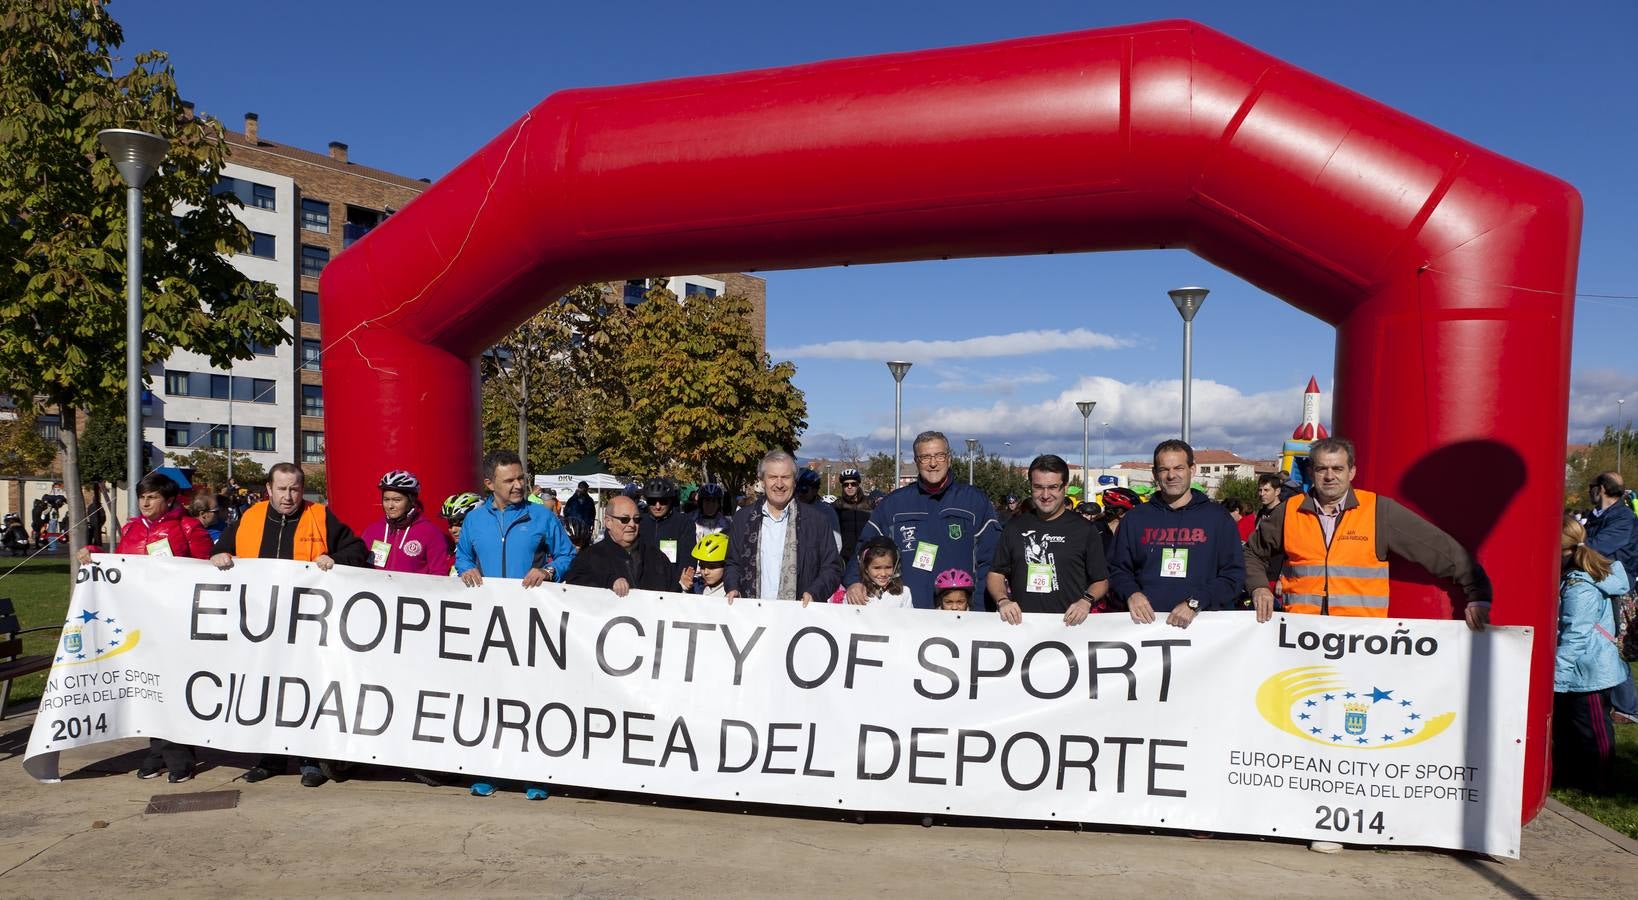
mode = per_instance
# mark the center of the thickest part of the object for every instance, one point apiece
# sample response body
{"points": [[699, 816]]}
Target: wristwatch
{"points": [[1193, 604]]}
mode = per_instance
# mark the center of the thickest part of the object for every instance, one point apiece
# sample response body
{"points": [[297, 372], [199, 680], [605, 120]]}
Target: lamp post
{"points": [[1620, 433], [137, 155], [898, 368], [972, 448], [1106, 443], [1188, 301], [1085, 406]]}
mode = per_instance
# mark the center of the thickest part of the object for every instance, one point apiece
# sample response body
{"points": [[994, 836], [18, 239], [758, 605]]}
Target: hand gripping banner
{"points": [[1396, 732]]}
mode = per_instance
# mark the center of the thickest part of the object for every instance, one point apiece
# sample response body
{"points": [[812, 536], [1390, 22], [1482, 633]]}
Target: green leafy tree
{"points": [[22, 450], [1243, 489], [878, 472], [994, 476], [1613, 451], [210, 467], [102, 448], [62, 230]]}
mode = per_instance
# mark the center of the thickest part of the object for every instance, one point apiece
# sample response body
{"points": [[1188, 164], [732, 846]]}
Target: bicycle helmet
{"points": [[711, 489], [660, 489], [578, 530], [712, 548], [953, 580], [400, 480], [458, 505], [850, 475], [1120, 498], [807, 478]]}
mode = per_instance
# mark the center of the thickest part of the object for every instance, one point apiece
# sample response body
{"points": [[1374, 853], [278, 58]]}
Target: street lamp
{"points": [[1620, 433], [972, 448], [898, 368], [1188, 301], [1085, 406], [1106, 444], [137, 155]]}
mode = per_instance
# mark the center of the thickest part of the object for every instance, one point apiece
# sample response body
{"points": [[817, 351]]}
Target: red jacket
{"points": [[187, 536]]}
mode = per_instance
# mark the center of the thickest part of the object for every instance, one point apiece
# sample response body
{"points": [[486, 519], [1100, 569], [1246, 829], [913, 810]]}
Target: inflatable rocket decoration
{"points": [[1294, 455]]}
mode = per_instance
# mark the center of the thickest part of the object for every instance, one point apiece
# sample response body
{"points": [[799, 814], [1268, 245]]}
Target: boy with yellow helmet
{"points": [[710, 561]]}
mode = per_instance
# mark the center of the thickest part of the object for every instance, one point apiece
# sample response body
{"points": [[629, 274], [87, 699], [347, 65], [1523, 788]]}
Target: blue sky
{"points": [[414, 87]]}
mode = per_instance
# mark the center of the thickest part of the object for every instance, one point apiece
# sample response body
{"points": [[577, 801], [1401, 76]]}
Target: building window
{"points": [[261, 349], [176, 383], [220, 389], [313, 260], [309, 307], [698, 290], [262, 196], [312, 446], [315, 216], [49, 426], [250, 193], [310, 350], [218, 437], [254, 390], [360, 221], [176, 434], [261, 245], [312, 400], [265, 439], [634, 291]]}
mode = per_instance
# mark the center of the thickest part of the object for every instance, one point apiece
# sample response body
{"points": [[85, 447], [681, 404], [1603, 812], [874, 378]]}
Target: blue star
{"points": [[1349, 695], [1379, 694], [59, 659], [1415, 716], [1387, 737], [1404, 703], [81, 656], [1363, 741], [1336, 737], [1302, 715], [88, 616], [1408, 730], [119, 631], [1330, 696], [109, 621], [1314, 730], [1312, 703], [113, 643], [99, 651]]}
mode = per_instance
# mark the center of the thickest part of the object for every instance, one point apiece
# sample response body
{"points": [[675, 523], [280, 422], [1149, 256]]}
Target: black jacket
{"points": [[679, 527], [818, 567], [605, 562], [279, 538]]}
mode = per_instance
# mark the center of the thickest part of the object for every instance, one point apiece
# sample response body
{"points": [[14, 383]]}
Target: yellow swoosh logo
{"points": [[129, 644], [1282, 689]]}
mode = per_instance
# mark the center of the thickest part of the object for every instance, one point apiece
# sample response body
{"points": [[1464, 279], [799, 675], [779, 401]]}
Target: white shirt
{"points": [[900, 600], [771, 551]]}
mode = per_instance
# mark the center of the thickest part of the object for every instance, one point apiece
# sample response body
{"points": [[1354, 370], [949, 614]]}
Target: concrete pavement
{"points": [[90, 836]]}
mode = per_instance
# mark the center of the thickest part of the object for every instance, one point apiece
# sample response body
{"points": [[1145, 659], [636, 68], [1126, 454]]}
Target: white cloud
{"points": [[1017, 343], [1592, 402], [1003, 385]]}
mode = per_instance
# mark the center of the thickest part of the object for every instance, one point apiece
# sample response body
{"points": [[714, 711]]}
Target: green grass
{"points": [[39, 588], [1618, 807]]}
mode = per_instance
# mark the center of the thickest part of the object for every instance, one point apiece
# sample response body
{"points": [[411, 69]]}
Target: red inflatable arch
{"points": [[1447, 270]]}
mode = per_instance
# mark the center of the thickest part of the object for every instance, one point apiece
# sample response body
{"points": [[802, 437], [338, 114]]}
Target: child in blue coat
{"points": [[1588, 663]]}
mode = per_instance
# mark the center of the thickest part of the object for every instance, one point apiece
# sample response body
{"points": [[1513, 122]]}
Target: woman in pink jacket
{"points": [[163, 528], [406, 540]]}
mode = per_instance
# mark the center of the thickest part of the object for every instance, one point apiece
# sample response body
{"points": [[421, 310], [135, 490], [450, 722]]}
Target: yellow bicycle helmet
{"points": [[712, 548]]}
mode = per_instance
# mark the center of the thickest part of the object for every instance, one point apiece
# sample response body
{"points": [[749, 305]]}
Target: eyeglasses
{"points": [[932, 457], [624, 520]]}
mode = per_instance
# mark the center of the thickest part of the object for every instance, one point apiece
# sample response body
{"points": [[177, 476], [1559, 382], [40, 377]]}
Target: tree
{"points": [[1243, 489], [878, 473], [62, 233], [210, 467], [1613, 451], [102, 448], [995, 476], [22, 450]]}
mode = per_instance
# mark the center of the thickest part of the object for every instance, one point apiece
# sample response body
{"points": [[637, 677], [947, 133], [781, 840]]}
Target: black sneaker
{"points": [[255, 774], [179, 777], [335, 770], [311, 778], [151, 771]]}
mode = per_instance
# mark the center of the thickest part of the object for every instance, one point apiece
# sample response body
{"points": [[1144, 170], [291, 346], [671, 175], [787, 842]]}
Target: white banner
{"points": [[1388, 732]]}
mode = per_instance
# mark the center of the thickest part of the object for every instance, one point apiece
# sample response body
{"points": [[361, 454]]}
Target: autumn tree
{"points": [[62, 234], [23, 451]]}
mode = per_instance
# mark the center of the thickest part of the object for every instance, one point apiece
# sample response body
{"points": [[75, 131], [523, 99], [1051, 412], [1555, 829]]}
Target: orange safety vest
{"points": [[1343, 578], [309, 544]]}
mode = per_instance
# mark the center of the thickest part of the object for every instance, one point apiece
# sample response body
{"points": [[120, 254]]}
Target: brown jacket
{"points": [[1399, 532]]}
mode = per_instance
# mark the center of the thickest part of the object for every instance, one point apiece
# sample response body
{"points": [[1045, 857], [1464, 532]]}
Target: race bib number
{"points": [[925, 555], [161, 547], [1174, 562], [1040, 579], [378, 552], [669, 548]]}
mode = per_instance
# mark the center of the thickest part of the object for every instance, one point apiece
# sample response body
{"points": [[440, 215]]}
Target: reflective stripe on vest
{"points": [[1343, 579], [308, 544]]}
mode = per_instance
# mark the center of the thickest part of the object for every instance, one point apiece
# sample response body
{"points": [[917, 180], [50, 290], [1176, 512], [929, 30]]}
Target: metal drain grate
{"points": [[185, 803]]}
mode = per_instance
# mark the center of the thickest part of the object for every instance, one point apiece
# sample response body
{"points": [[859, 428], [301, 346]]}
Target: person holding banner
{"points": [[509, 537], [404, 540], [779, 549], [622, 561], [1050, 560], [1336, 541], [162, 528], [1179, 553], [286, 526]]}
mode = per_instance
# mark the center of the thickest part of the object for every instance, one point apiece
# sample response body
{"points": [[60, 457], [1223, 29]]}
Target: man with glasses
{"points": [[664, 527], [1050, 559], [937, 522], [620, 562]]}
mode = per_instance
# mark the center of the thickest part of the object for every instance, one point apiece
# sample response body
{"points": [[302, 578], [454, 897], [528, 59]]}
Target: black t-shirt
{"points": [[1069, 546]]}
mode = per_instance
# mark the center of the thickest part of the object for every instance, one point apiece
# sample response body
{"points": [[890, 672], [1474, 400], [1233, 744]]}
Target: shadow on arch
{"points": [[1447, 270]]}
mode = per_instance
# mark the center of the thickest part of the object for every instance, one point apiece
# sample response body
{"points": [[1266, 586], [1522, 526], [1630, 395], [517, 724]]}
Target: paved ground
{"points": [[90, 836]]}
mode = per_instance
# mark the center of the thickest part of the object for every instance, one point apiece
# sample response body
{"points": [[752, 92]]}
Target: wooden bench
{"points": [[13, 664]]}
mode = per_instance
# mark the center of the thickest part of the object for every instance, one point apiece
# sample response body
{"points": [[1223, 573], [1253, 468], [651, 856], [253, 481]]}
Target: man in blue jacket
{"points": [[937, 523], [1612, 529], [1179, 553], [509, 537]]}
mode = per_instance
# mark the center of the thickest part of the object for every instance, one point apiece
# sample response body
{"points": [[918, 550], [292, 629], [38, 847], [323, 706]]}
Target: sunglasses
{"points": [[624, 520]]}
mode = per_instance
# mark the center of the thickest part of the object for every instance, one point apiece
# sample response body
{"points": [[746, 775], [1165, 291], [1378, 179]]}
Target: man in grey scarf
{"points": [[775, 551]]}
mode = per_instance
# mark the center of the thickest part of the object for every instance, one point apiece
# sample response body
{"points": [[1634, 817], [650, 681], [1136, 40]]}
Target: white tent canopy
{"points": [[566, 484]]}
